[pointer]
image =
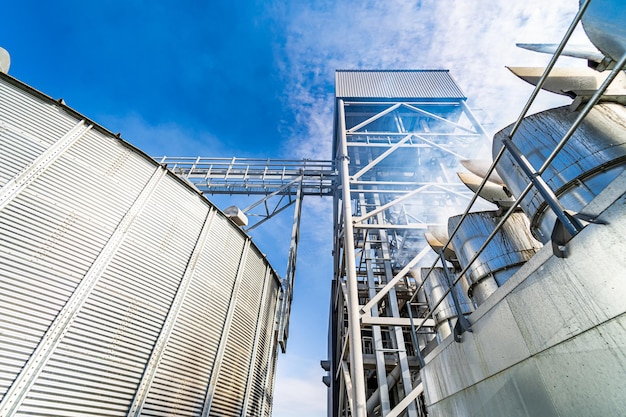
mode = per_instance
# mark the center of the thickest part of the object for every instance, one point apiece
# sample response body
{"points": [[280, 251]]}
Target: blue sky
{"points": [[255, 79], [209, 67]]}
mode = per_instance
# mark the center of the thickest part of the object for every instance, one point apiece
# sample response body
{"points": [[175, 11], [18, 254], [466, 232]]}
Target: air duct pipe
{"points": [[604, 24], [511, 247], [445, 313], [593, 157]]}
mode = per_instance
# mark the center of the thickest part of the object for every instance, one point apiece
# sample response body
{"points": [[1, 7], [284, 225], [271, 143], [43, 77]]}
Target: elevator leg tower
{"points": [[399, 137]]}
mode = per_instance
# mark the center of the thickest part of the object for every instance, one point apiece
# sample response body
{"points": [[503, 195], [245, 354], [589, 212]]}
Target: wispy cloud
{"points": [[301, 391], [475, 40]]}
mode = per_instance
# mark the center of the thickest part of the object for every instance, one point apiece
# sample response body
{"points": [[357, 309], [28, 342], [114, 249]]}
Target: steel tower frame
{"points": [[396, 150], [397, 158]]}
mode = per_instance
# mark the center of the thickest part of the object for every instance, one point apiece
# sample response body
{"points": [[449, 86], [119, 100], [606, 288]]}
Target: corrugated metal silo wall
{"points": [[122, 290]]}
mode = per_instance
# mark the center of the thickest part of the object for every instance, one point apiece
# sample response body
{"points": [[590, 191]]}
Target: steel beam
{"points": [[290, 275], [373, 118], [380, 158], [402, 405], [367, 319], [253, 176], [392, 283], [390, 204]]}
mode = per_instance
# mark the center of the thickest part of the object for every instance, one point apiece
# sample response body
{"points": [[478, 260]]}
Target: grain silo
{"points": [[124, 291]]}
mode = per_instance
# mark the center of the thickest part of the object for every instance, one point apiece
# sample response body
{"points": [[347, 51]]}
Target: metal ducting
{"points": [[511, 247], [445, 314], [604, 24], [591, 159], [123, 290]]}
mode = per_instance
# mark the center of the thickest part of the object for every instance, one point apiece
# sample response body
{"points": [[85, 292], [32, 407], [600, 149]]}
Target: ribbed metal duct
{"points": [[122, 290], [591, 159], [504, 255]]}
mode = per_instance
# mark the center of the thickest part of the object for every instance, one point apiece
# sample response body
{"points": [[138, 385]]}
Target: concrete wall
{"points": [[552, 340]]}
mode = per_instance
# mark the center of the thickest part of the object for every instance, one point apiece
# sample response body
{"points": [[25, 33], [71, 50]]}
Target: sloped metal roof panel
{"points": [[416, 84]]}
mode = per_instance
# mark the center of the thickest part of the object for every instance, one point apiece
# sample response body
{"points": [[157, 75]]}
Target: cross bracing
{"points": [[397, 161]]}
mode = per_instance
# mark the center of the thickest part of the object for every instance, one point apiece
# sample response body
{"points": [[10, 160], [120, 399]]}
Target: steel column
{"points": [[381, 372], [288, 282], [407, 382], [354, 323]]}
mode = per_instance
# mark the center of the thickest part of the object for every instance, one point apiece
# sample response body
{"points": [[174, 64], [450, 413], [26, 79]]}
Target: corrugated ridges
{"points": [[418, 84], [94, 247]]}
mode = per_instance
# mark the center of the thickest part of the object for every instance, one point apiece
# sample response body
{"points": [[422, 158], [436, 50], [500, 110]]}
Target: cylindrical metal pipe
{"points": [[481, 290], [508, 250], [603, 22], [591, 159], [445, 313], [354, 322], [557, 53]]}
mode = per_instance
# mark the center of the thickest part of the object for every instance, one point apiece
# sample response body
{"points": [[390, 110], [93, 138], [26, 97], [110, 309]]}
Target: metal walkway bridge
{"points": [[255, 176]]}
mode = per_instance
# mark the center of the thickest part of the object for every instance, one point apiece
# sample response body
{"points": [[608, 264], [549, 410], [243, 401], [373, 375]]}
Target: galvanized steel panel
{"points": [[138, 286], [49, 239], [31, 112], [98, 201], [269, 396], [230, 389], [263, 360], [586, 375], [17, 149], [520, 391], [202, 317], [418, 84]]}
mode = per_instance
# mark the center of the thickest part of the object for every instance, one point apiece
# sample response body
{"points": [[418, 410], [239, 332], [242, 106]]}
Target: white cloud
{"points": [[299, 390], [475, 40]]}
